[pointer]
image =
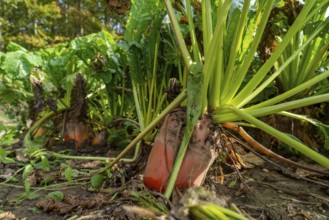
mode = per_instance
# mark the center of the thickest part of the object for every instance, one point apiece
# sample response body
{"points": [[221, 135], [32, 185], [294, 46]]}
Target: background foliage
{"points": [[127, 69], [42, 23]]}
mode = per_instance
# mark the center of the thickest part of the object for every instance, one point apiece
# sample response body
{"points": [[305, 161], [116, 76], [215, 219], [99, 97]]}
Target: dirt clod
{"points": [[70, 203]]}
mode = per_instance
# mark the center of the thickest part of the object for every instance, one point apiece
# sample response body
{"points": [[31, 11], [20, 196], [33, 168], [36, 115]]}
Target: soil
{"points": [[260, 189]]}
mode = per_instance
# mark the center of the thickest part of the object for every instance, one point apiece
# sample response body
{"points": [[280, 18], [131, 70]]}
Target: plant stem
{"points": [[178, 162], [206, 25], [64, 156], [227, 115], [243, 68], [195, 46], [37, 124], [322, 160], [259, 76], [211, 58], [295, 54], [235, 47], [179, 36], [179, 99], [300, 117], [138, 108], [292, 92]]}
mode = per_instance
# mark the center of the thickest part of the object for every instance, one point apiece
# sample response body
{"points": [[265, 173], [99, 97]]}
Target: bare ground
{"points": [[261, 190]]}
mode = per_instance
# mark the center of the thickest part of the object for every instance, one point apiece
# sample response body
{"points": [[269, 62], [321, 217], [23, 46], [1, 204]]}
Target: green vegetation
{"points": [[38, 24], [214, 49], [228, 54]]}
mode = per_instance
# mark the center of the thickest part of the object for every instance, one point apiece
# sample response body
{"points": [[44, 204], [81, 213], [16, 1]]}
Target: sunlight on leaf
{"points": [[4, 158]]}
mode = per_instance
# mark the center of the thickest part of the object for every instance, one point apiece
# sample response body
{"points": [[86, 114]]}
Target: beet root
{"points": [[201, 153]]}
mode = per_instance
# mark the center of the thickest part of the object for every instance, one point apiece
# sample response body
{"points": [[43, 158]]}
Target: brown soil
{"points": [[261, 190], [269, 193]]}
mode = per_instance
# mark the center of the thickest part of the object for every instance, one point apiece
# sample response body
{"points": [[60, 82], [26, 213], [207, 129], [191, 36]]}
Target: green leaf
{"points": [[97, 181], [56, 195], [232, 183], [312, 26], [68, 173], [279, 3], [194, 94], [32, 196], [142, 16], [17, 65], [45, 163], [248, 35], [15, 47], [142, 34], [27, 171], [136, 62], [47, 180], [6, 160], [232, 24], [34, 59], [3, 156], [21, 197], [27, 186]]}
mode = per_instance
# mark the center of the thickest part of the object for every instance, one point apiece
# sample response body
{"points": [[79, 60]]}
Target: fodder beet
{"points": [[201, 152]]}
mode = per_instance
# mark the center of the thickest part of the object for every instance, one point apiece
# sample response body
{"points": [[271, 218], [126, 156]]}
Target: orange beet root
{"points": [[199, 156], [40, 131], [100, 139], [77, 132]]}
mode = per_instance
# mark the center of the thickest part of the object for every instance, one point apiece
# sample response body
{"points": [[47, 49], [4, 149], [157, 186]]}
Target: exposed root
{"points": [[75, 127], [239, 130]]}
